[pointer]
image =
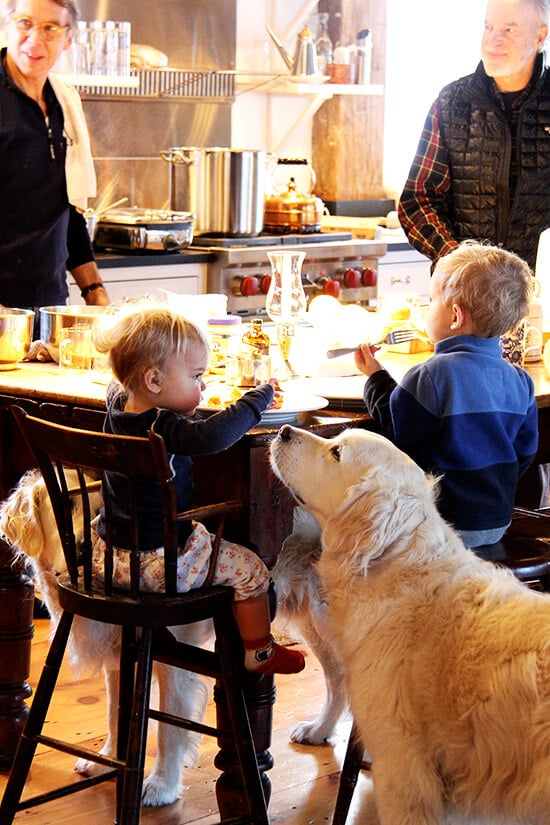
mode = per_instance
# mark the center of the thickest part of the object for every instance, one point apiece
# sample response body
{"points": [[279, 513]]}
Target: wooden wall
{"points": [[348, 132]]}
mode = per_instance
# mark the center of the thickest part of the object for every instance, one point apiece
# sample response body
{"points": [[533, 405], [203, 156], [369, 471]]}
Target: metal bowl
{"points": [[15, 336], [54, 319]]}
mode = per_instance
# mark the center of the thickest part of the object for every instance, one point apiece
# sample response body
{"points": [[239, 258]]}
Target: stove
{"points": [[335, 264]]}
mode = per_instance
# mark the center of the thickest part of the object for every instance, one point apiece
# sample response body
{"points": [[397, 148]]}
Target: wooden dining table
{"points": [[242, 472]]}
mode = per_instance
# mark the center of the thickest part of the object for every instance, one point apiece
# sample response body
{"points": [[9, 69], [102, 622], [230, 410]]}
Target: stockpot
{"points": [[186, 182], [234, 191]]}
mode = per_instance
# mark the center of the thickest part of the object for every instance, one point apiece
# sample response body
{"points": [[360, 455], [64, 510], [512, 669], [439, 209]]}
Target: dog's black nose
{"points": [[285, 432]]}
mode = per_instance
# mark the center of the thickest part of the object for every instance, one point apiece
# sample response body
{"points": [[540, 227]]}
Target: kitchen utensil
{"points": [[396, 336], [160, 230], [15, 336], [234, 191], [292, 211], [186, 182], [363, 54], [304, 63]]}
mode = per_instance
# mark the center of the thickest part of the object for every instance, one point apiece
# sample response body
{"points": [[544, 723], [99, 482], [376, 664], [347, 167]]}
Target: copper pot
{"points": [[292, 211]]}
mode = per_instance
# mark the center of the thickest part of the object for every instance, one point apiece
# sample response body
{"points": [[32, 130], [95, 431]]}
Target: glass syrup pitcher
{"points": [[286, 300]]}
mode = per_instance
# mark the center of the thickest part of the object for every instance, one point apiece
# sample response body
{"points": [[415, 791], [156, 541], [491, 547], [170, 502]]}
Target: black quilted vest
{"points": [[478, 139]]}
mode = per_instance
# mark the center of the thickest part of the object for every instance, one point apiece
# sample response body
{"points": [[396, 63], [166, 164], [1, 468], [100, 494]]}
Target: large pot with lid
{"points": [[293, 211], [224, 188], [234, 191], [186, 182]]}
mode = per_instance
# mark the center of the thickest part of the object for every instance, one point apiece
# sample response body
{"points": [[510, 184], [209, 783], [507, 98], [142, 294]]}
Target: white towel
{"points": [[79, 164]]}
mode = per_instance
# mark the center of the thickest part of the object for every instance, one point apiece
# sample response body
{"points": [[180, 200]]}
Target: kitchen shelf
{"points": [[158, 84], [101, 81], [315, 94], [281, 84]]}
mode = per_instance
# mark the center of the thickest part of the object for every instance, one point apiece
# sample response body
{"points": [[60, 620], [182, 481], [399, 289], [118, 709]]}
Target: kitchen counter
{"points": [[111, 260]]}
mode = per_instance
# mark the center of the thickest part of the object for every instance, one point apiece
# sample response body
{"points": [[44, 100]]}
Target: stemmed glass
{"points": [[286, 300]]}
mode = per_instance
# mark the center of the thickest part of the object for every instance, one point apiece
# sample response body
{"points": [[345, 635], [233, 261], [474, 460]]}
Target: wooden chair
{"points": [[143, 618], [525, 549]]}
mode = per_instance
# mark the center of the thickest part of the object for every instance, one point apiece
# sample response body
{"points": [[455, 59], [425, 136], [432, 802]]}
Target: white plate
{"points": [[349, 388], [293, 404]]}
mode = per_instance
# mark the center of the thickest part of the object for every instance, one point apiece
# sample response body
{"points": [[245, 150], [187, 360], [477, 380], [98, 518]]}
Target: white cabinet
{"points": [[404, 269], [124, 282]]}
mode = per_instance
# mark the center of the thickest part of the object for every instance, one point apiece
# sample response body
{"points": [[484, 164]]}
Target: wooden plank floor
{"points": [[304, 779]]}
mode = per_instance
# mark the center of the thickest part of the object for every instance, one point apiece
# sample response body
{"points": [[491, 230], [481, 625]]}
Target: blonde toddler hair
{"points": [[147, 338], [495, 286]]}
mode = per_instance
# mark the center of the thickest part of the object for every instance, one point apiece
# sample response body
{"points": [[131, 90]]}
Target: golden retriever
{"points": [[447, 657], [28, 524], [302, 604]]}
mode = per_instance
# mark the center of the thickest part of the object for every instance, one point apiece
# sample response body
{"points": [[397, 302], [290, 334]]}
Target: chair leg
{"points": [[137, 737], [229, 647], [353, 761], [35, 721], [126, 681]]}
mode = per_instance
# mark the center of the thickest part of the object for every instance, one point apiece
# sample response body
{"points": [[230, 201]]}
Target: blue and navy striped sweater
{"points": [[465, 414]]}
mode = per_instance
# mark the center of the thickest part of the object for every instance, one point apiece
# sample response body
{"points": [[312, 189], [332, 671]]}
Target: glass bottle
{"points": [[256, 340], [81, 48], [110, 48], [124, 29], [97, 47], [254, 360], [323, 44]]}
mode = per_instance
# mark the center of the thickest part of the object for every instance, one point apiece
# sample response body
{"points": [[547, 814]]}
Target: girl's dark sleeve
{"points": [[376, 395], [217, 432]]}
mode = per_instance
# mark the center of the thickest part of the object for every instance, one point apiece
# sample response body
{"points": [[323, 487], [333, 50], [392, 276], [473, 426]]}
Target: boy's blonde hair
{"points": [[495, 286], [146, 338]]}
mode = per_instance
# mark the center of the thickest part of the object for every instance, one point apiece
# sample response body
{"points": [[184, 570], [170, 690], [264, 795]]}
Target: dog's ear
{"points": [[20, 522], [375, 520]]}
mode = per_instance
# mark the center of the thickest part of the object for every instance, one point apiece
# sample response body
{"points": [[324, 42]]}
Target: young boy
{"points": [[159, 359], [465, 414]]}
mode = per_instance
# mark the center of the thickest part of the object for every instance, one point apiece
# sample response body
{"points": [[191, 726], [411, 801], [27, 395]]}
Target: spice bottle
{"points": [[255, 340], [254, 358]]}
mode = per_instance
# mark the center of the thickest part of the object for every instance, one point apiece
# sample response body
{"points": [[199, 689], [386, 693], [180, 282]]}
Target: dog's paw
{"points": [[157, 791], [86, 767], [310, 733]]}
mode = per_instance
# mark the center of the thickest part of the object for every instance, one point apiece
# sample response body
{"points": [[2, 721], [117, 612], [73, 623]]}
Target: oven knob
{"points": [[245, 286], [330, 287], [352, 278], [265, 283], [369, 276]]}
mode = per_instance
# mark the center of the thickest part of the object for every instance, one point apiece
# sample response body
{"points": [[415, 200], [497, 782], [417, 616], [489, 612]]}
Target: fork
{"points": [[396, 336]]}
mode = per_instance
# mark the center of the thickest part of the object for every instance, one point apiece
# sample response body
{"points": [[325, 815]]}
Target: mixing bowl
{"points": [[54, 319], [15, 336]]}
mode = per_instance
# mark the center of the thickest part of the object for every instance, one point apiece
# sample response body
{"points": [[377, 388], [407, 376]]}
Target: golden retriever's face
{"points": [[321, 473]]}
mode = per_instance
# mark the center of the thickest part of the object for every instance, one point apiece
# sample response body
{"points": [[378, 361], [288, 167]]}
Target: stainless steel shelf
{"points": [[159, 84]]}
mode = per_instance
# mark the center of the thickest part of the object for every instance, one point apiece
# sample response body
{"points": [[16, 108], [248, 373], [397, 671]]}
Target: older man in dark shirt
{"points": [[42, 235]]}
